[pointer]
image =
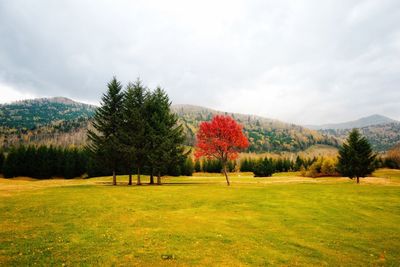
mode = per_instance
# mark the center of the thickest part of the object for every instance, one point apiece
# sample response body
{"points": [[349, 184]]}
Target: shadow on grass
{"points": [[163, 184]]}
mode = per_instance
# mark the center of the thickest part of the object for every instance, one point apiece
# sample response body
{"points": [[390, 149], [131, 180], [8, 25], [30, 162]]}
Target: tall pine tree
{"points": [[134, 128], [2, 158], [165, 136], [356, 158], [105, 142]]}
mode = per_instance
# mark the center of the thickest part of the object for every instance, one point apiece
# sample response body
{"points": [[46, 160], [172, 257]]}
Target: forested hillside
{"points": [[63, 133], [45, 121], [372, 120], [382, 137], [265, 135], [60, 121], [31, 114]]}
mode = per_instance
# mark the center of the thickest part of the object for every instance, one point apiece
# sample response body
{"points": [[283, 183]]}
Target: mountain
{"points": [[51, 121], [31, 114], [61, 121], [375, 119]]}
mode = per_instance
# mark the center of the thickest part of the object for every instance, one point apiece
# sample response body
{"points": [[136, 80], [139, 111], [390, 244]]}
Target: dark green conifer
{"points": [[134, 128], [356, 158], [105, 138], [165, 137]]}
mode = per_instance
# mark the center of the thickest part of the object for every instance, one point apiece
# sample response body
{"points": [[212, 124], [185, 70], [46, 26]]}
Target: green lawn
{"points": [[282, 220]]}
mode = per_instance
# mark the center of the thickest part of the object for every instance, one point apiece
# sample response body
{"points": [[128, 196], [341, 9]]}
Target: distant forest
{"points": [[63, 122]]}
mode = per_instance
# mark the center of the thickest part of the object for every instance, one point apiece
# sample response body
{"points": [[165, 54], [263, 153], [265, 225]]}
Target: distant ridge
{"points": [[33, 113], [57, 99], [265, 135], [193, 109], [62, 121], [372, 120]]}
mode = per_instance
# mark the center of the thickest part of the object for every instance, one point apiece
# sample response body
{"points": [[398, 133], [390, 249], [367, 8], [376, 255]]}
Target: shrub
{"points": [[264, 168]]}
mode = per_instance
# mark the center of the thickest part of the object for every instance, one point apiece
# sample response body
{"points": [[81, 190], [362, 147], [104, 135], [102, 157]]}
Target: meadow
{"points": [[284, 220]]}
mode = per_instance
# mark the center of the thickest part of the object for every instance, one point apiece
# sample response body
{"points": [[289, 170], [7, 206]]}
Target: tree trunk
{"points": [[159, 178], [358, 180], [114, 178], [151, 177], [226, 176], [130, 179], [138, 177]]}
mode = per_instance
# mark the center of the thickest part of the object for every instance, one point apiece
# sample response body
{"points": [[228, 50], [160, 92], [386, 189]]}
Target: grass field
{"points": [[283, 220]]}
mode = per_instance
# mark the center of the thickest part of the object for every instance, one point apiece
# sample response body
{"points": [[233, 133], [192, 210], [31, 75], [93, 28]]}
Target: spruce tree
{"points": [[356, 158], [105, 138], [264, 167], [188, 167], [2, 158], [134, 128], [165, 136], [197, 166], [10, 166]]}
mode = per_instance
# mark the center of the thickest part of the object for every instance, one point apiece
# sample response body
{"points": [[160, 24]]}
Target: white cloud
{"points": [[9, 94], [301, 61]]}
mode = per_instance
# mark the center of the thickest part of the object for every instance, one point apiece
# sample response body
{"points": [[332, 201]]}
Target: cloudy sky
{"points": [[305, 62]]}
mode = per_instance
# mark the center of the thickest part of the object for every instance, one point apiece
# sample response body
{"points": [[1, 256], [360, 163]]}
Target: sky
{"points": [[305, 62]]}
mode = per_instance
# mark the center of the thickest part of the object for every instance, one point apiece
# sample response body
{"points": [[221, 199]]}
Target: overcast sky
{"points": [[306, 62]]}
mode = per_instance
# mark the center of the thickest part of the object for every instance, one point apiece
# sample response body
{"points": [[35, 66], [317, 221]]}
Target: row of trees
{"points": [[134, 129], [44, 162], [266, 166], [213, 165], [280, 164]]}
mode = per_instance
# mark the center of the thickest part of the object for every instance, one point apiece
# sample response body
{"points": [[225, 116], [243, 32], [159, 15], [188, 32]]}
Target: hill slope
{"points": [[60, 121], [382, 136], [31, 114], [362, 122], [265, 135]]}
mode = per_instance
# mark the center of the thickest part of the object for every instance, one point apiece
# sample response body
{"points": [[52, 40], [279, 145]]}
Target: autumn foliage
{"points": [[221, 138]]}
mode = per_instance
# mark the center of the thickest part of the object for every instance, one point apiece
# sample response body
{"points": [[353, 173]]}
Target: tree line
{"points": [[44, 162], [266, 166]]}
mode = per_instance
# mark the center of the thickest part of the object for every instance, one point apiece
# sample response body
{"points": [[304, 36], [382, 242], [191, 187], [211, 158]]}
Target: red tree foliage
{"points": [[221, 138]]}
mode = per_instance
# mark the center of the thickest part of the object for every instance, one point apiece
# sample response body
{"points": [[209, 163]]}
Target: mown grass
{"points": [[282, 220]]}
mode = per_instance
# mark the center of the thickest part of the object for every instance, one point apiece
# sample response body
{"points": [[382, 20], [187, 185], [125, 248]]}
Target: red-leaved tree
{"points": [[222, 138]]}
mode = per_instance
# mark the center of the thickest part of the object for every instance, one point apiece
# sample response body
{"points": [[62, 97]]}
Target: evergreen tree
{"points": [[204, 165], [69, 164], [165, 137], [197, 166], [10, 166], [134, 128], [231, 165], [188, 167], [2, 158], [264, 168], [22, 169], [279, 165], [244, 165], [42, 158], [298, 163], [356, 158], [105, 142]]}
